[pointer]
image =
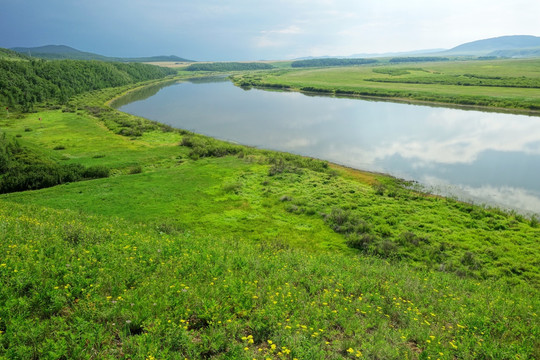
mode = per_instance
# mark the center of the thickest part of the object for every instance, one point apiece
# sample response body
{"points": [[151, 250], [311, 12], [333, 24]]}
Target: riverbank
{"points": [[510, 85]]}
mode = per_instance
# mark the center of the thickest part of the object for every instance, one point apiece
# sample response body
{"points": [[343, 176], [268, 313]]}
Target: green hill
{"points": [[78, 286], [58, 52]]}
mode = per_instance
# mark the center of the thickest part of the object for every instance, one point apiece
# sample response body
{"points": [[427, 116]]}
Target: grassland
{"points": [[196, 249], [508, 84]]}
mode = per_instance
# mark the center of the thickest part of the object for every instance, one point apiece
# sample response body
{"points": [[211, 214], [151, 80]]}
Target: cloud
{"points": [[502, 196], [462, 136], [290, 30], [244, 29]]}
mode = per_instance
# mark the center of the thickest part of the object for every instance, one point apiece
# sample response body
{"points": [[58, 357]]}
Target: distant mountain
{"points": [[372, 55], [403, 53], [508, 44], [503, 46], [57, 52]]}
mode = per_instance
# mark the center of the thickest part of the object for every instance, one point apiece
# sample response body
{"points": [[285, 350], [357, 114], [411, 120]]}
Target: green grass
{"points": [[102, 287], [432, 82], [185, 255]]}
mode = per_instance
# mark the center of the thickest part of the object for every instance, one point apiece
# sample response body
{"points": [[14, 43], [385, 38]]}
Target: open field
{"points": [[510, 84], [170, 64], [195, 248]]}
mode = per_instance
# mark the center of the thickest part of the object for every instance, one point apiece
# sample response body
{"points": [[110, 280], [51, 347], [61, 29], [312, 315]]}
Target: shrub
{"points": [[96, 172], [73, 233], [345, 222], [410, 238], [168, 228], [233, 187], [469, 259], [361, 242], [137, 169], [379, 189]]}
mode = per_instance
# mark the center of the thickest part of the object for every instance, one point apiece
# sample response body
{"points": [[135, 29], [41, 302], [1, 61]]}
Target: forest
{"points": [[331, 62], [26, 83], [418, 59], [228, 66]]}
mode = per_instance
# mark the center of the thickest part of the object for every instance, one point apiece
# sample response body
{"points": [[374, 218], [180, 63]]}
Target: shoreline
{"points": [[363, 175], [400, 100]]}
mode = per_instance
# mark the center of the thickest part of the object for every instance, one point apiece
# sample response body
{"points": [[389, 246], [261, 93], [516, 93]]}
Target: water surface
{"points": [[483, 157]]}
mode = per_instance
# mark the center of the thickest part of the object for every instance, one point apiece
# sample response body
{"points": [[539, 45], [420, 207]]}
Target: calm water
{"points": [[483, 157]]}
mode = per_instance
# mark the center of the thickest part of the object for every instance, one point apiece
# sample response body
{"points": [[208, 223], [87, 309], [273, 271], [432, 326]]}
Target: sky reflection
{"points": [[489, 156]]}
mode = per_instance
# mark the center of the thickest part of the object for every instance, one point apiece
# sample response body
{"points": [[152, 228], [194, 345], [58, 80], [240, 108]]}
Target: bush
{"points": [[96, 172], [361, 242], [233, 187], [470, 260], [345, 222], [137, 169], [410, 238], [206, 147]]}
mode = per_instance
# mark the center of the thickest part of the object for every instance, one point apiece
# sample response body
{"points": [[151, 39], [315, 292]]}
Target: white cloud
{"points": [[463, 136], [322, 27], [500, 196], [290, 30]]}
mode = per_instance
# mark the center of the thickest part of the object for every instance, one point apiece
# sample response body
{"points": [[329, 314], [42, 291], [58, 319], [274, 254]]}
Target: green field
{"points": [[195, 248], [509, 84]]}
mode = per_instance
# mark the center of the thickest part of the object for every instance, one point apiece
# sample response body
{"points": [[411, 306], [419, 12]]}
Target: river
{"points": [[481, 157]]}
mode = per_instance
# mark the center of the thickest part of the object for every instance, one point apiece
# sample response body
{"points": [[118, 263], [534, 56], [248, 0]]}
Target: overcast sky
{"points": [[256, 30]]}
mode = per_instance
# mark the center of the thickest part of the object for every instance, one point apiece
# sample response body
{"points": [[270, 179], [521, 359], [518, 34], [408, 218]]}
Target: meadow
{"points": [[196, 248], [509, 84]]}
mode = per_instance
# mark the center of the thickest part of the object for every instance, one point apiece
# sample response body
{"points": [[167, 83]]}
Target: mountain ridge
{"points": [[502, 46], [488, 46], [59, 52]]}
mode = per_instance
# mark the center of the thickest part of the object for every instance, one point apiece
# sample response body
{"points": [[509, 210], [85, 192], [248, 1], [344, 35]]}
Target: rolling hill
{"points": [[57, 52], [508, 46]]}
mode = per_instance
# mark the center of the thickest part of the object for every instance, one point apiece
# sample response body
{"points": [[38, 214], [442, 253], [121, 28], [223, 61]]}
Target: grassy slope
{"points": [[354, 79], [227, 251], [102, 287]]}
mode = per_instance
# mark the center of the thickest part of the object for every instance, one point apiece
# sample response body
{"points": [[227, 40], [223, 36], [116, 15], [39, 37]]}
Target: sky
{"points": [[260, 30]]}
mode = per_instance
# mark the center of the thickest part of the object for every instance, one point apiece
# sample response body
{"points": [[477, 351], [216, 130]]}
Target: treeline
{"points": [[466, 80], [25, 83], [331, 62], [13, 55], [418, 59], [228, 66], [22, 169], [396, 71]]}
